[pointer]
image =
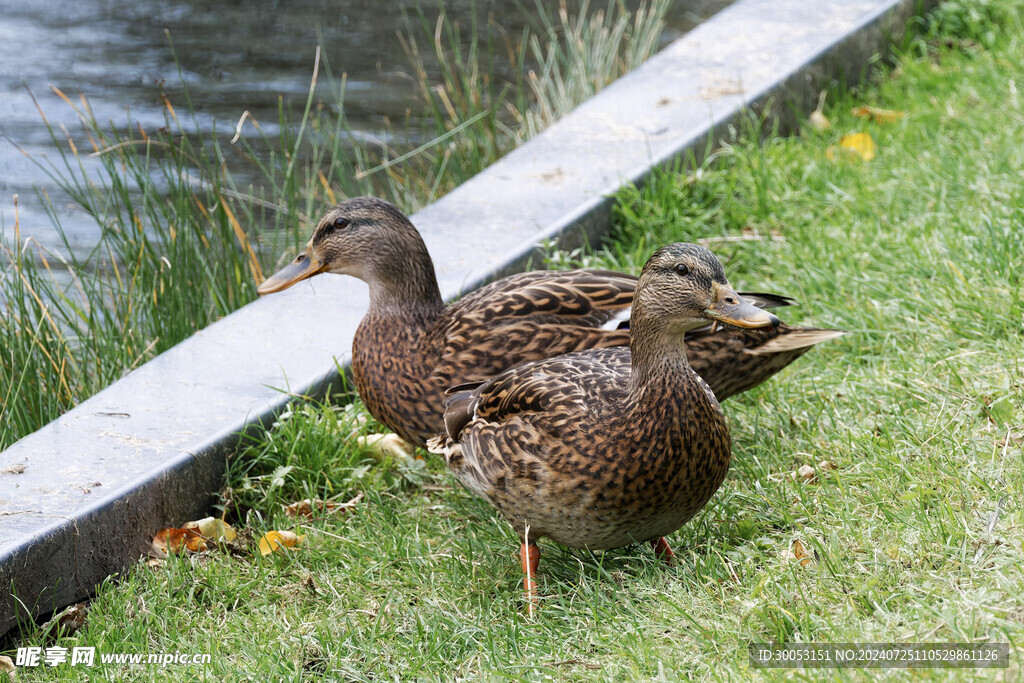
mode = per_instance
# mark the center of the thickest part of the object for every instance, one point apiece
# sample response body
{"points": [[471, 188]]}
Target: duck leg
{"points": [[529, 554], [662, 550]]}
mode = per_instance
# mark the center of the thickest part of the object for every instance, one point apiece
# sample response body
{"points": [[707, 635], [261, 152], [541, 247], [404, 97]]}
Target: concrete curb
{"points": [[80, 498]]}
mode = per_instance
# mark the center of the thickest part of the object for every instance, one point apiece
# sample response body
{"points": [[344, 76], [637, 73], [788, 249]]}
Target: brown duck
{"points": [[606, 447], [410, 347]]}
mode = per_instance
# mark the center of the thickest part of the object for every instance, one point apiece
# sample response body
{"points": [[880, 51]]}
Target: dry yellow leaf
{"points": [[800, 554], [278, 541], [213, 529], [860, 144], [878, 115], [854, 145]]}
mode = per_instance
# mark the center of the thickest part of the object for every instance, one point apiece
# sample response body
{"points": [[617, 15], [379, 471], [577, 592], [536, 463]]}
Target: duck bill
{"points": [[729, 308], [303, 267]]}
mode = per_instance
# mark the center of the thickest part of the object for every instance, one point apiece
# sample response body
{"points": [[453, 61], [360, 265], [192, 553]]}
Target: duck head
{"points": [[364, 237], [683, 286]]}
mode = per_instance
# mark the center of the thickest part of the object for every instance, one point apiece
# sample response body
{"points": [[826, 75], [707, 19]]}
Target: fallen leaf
{"points": [[386, 446], [278, 541], [193, 536], [311, 507], [878, 115], [13, 469], [827, 465], [305, 508], [806, 472], [171, 541], [72, 619], [214, 529], [7, 666], [859, 145], [799, 553]]}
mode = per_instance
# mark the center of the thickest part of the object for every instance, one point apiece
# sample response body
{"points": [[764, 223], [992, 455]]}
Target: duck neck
{"points": [[658, 359], [405, 285]]}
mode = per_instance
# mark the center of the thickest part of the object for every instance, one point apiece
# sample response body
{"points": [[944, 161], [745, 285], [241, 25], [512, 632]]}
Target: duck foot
{"points": [[663, 551], [529, 554]]}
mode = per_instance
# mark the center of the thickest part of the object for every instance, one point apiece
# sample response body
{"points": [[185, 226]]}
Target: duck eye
{"points": [[682, 269], [341, 223]]}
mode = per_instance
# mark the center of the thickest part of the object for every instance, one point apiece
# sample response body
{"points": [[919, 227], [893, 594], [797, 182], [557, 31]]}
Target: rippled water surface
{"points": [[234, 56]]}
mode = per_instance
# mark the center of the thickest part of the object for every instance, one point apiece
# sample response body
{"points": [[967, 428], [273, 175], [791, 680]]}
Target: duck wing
{"points": [[587, 297], [568, 383], [532, 403], [529, 317]]}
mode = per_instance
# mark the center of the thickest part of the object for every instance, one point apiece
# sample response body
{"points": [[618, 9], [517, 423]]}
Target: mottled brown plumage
{"points": [[606, 447], [410, 348]]}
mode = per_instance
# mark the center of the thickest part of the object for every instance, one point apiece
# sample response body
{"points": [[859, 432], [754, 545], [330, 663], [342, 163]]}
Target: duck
{"points": [[410, 347], [604, 448]]}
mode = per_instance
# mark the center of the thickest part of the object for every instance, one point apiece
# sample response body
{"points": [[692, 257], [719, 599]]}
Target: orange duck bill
{"points": [[729, 308], [305, 266]]}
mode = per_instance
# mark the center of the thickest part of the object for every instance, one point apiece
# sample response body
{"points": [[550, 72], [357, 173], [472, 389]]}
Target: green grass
{"points": [[916, 534], [183, 242]]}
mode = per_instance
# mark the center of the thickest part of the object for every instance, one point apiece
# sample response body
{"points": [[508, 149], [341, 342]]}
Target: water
{"points": [[234, 56]]}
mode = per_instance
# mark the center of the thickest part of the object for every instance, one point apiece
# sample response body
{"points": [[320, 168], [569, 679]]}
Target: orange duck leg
{"points": [[529, 554], [663, 551]]}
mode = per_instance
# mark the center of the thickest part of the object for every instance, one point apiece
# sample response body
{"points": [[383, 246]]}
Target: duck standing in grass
{"points": [[606, 447], [410, 347]]}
